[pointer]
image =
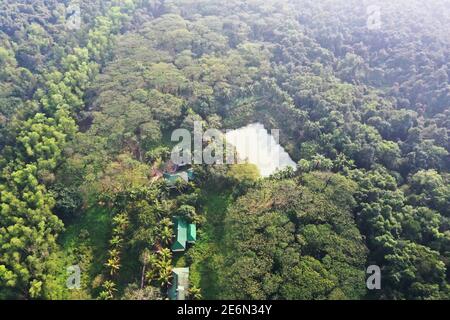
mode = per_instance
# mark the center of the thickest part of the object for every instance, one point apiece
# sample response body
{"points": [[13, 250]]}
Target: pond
{"points": [[254, 144]]}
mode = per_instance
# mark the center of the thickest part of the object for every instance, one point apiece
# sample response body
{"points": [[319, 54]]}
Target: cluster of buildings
{"points": [[185, 233]]}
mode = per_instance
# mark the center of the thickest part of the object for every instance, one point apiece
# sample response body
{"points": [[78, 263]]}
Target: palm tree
{"points": [[109, 288], [165, 276], [119, 231], [165, 254], [166, 234], [114, 253], [180, 185], [164, 268], [166, 222], [113, 264], [152, 265], [195, 293], [121, 223], [150, 275], [116, 241], [114, 261], [165, 230]]}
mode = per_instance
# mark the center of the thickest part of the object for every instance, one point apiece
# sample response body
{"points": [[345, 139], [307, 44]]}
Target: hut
{"points": [[184, 233], [180, 284]]}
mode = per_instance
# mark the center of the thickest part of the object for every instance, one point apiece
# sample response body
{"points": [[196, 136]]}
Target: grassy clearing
{"points": [[85, 243], [207, 254]]}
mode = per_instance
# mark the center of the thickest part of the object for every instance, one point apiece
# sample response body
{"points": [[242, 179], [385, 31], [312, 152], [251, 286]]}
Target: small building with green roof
{"points": [[172, 178], [191, 233], [184, 233], [190, 173], [180, 227], [180, 284]]}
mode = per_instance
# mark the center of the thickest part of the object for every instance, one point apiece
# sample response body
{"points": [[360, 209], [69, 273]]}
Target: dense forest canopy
{"points": [[86, 115]]}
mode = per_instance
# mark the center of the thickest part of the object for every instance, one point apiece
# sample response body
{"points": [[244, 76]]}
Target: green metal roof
{"points": [[190, 173], [191, 233], [180, 284], [172, 293], [171, 178], [180, 227]]}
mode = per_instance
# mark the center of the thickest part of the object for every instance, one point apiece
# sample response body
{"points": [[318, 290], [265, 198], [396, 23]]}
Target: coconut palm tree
{"points": [[113, 263], [165, 230], [150, 275], [166, 234], [116, 241], [109, 288], [165, 276], [165, 254], [195, 293], [163, 266], [166, 222], [180, 185], [151, 268], [120, 222]]}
